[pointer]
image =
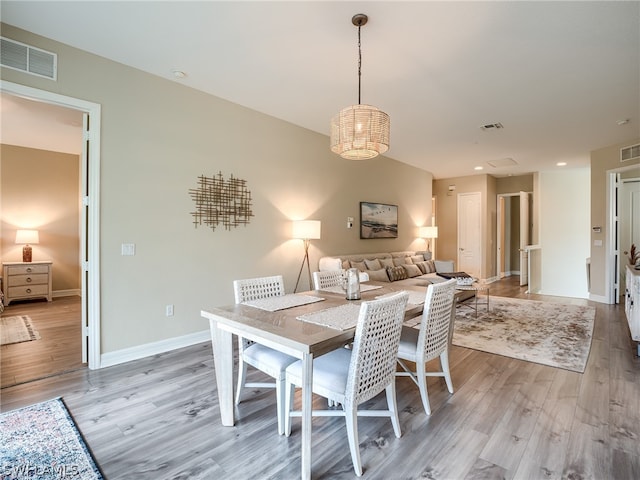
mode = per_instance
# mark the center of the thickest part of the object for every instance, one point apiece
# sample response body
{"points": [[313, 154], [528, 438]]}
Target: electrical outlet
{"points": [[169, 310]]}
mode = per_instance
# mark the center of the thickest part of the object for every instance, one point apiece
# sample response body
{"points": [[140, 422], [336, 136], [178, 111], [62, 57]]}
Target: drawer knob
{"points": [[28, 290], [28, 279], [29, 270]]}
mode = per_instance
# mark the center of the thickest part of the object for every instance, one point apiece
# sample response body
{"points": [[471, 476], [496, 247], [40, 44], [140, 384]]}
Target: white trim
{"points": [[74, 292], [93, 254], [598, 298], [141, 351]]}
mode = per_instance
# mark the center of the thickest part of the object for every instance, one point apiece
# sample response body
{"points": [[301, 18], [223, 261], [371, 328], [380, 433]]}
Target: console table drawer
{"points": [[28, 291], [26, 269], [20, 280]]}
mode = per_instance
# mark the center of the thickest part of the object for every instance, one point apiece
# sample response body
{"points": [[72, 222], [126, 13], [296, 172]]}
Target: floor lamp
{"points": [[305, 230]]}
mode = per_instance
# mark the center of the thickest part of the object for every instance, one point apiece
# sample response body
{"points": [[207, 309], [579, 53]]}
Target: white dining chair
{"points": [[266, 359], [350, 377], [328, 278], [430, 341]]}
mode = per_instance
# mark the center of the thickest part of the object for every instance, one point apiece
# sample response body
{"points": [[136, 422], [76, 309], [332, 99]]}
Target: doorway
{"points": [[514, 227], [89, 210]]}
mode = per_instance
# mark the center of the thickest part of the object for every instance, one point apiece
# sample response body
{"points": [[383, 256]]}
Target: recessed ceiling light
{"points": [[178, 73], [492, 126], [561, 164], [478, 168]]}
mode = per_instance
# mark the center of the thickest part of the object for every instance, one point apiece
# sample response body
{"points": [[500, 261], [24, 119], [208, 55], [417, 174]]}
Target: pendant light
{"points": [[360, 132]]}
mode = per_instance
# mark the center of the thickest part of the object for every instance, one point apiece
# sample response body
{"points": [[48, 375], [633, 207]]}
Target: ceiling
{"points": [[563, 78]]}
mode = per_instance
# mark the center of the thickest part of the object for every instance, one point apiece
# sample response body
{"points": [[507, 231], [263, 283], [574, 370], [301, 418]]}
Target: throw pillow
{"points": [[412, 271], [417, 258], [387, 262], [379, 275], [396, 273], [359, 265], [427, 266], [397, 261], [373, 264]]}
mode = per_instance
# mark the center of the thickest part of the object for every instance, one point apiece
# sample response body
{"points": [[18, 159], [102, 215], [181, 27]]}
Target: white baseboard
{"points": [[598, 298], [141, 351], [66, 293]]}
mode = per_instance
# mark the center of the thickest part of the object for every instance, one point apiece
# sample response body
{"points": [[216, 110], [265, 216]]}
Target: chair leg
{"points": [[444, 363], [288, 398], [351, 417], [242, 375], [422, 383], [393, 408], [281, 392]]}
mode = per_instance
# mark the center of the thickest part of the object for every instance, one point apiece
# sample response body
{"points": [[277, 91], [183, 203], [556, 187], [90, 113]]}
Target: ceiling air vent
{"points": [[23, 57], [630, 153], [492, 126]]}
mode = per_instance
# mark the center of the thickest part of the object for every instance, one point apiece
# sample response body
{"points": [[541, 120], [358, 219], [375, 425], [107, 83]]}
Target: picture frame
{"points": [[378, 220]]}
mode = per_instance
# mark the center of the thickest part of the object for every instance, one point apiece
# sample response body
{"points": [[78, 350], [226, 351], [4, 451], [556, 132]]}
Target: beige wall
{"points": [[603, 161], [40, 190], [157, 137]]}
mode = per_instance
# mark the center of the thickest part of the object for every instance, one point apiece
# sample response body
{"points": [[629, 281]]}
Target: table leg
{"points": [[307, 385], [222, 343]]}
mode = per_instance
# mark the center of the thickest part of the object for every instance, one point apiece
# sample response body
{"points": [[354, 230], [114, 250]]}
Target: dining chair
{"points": [[328, 278], [350, 377], [430, 341], [269, 361]]}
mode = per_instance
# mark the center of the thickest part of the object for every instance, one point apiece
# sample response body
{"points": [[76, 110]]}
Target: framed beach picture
{"points": [[378, 220]]}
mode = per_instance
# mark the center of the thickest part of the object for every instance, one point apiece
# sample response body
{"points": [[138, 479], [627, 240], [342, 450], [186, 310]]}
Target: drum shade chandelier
{"points": [[360, 132]]}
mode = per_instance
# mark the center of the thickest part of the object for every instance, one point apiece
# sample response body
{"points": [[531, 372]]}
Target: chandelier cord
{"points": [[359, 63]]}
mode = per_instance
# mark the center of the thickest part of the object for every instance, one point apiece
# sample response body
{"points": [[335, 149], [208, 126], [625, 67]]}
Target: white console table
{"points": [[632, 303]]}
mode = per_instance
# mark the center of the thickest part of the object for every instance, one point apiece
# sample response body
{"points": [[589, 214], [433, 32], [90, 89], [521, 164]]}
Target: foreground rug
{"points": [[552, 334], [17, 329], [41, 441]]}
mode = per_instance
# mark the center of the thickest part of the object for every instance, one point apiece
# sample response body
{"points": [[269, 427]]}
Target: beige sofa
{"points": [[408, 267]]}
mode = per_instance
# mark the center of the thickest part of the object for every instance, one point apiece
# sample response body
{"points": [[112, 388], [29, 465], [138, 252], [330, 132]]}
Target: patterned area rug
{"points": [[41, 441], [552, 334], [17, 329]]}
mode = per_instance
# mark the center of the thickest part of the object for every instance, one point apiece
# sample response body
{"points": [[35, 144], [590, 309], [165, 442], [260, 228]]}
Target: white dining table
{"points": [[283, 331]]}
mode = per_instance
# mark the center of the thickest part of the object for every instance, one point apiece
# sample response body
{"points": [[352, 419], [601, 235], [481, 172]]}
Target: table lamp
{"points": [[27, 237]]}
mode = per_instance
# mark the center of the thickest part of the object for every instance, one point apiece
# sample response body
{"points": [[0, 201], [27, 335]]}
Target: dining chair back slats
{"points": [[328, 278]]}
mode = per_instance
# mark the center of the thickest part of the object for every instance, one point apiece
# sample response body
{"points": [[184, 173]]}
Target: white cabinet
{"points": [[26, 280], [632, 303]]}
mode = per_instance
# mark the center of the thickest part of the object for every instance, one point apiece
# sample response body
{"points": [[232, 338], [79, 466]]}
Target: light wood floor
{"points": [[158, 418], [58, 350]]}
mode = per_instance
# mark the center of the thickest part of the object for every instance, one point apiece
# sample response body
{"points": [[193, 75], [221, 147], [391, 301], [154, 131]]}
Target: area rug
{"points": [[553, 334], [17, 329], [41, 441]]}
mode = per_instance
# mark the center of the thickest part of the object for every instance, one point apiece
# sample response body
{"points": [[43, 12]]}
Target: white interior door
{"points": [[469, 233], [629, 215], [525, 235]]}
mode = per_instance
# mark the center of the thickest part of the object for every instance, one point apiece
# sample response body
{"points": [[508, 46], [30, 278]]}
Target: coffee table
{"points": [[475, 288]]}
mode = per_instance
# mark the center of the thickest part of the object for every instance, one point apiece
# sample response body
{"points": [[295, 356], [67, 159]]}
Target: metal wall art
{"points": [[219, 201]]}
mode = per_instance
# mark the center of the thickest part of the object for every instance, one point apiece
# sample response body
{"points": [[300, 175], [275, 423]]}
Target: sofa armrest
{"points": [[444, 266]]}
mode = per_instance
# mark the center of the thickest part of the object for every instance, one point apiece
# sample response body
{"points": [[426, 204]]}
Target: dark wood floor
{"points": [[158, 418], [58, 350]]}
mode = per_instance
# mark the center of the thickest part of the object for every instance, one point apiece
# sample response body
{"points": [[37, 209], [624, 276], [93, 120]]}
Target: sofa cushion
{"points": [[397, 261], [373, 264], [412, 270], [379, 275], [359, 265], [397, 273]]}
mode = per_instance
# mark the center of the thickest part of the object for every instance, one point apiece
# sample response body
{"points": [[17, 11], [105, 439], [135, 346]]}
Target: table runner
{"points": [[290, 300], [339, 289], [343, 317]]}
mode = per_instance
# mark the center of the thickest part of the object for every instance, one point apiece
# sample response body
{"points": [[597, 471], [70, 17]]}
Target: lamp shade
{"points": [[306, 229], [428, 232], [24, 237], [360, 132]]}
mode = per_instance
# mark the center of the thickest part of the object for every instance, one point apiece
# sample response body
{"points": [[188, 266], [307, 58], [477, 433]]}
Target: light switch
{"points": [[128, 249]]}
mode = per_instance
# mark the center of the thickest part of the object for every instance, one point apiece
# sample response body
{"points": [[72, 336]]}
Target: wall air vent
{"points": [[630, 153], [23, 57], [492, 126]]}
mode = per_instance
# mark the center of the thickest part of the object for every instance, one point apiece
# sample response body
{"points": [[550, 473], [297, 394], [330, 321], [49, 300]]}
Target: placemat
{"points": [[339, 289], [343, 317], [290, 300]]}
